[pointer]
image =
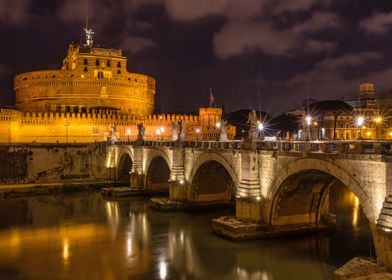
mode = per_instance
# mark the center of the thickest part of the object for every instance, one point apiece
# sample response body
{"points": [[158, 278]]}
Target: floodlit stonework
{"points": [[92, 98]]}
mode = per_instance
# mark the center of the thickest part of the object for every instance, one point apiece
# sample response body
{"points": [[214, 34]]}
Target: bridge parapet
{"points": [[342, 147]]}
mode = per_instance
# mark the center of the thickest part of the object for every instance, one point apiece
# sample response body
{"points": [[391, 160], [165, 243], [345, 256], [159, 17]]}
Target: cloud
{"points": [[237, 37], [137, 44], [14, 12], [317, 22], [378, 23], [316, 46], [295, 5], [335, 77], [190, 10]]}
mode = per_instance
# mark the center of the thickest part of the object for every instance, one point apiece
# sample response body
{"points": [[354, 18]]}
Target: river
{"points": [[82, 236]]}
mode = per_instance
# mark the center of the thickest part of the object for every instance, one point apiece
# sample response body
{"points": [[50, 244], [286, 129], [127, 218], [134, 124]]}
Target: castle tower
{"points": [[366, 95], [92, 78]]}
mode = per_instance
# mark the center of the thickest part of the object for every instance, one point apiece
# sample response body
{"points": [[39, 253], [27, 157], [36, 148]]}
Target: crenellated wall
{"points": [[97, 126]]}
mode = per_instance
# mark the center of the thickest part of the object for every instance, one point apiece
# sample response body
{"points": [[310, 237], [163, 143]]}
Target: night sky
{"points": [[256, 54]]}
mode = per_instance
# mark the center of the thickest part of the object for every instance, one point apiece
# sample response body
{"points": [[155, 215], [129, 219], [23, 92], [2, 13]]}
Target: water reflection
{"points": [[85, 237]]}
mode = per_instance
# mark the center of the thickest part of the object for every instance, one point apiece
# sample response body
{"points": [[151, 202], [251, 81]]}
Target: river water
{"points": [[82, 236]]}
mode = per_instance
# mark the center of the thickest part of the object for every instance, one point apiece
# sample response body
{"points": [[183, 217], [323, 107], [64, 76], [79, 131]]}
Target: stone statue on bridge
{"points": [[252, 120], [140, 132], [181, 128], [223, 132], [175, 134]]}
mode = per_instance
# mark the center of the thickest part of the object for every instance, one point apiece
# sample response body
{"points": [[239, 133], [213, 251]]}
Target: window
{"points": [[85, 69], [100, 75], [97, 62], [118, 64], [67, 109], [119, 71], [85, 62], [76, 109], [108, 63], [58, 108]]}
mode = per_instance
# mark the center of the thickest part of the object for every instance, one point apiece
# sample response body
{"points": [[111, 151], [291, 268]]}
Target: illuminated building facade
{"points": [[367, 119]]}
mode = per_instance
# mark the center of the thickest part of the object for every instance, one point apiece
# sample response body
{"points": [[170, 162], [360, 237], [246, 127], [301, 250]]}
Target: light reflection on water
{"points": [[82, 236]]}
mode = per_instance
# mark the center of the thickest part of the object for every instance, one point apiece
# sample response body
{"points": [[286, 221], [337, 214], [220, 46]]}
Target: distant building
{"points": [[365, 118]]}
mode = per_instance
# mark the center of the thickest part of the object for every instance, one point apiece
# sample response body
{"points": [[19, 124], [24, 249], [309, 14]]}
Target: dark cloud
{"points": [[378, 23]]}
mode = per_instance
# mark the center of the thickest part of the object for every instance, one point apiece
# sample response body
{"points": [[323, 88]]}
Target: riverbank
{"points": [[21, 190]]}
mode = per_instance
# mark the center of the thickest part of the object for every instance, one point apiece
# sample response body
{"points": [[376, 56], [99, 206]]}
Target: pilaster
{"points": [[177, 185], [248, 201], [137, 174]]}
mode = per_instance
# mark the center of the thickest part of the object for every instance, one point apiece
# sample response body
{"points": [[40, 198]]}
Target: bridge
{"points": [[276, 184]]}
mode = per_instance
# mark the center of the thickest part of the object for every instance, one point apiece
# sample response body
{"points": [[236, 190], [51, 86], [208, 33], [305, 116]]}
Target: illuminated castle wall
{"points": [[91, 78], [92, 97]]}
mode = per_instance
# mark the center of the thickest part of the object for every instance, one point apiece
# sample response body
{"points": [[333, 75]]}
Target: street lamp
{"points": [[360, 122], [158, 132], [260, 128], [162, 130], [378, 120], [128, 133], [308, 120], [197, 133]]}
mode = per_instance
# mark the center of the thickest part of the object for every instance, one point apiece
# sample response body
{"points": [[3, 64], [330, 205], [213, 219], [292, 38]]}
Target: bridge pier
{"points": [[382, 234]]}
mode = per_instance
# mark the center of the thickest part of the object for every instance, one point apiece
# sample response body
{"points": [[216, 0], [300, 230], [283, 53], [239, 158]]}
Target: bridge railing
{"points": [[346, 147]]}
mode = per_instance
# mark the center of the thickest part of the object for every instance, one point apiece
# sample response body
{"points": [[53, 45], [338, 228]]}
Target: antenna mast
{"points": [[89, 32]]}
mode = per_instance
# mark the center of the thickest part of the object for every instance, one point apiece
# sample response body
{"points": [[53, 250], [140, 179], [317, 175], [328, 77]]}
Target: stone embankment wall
{"points": [[45, 163]]}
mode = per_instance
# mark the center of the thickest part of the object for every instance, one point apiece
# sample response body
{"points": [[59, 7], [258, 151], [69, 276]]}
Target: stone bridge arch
{"points": [[124, 163], [212, 178], [157, 168], [323, 171]]}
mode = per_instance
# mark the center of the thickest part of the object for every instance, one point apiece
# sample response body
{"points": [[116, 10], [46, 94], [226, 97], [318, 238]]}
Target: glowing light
{"points": [[181, 182], [258, 198], [162, 129], [162, 270], [308, 119], [378, 120], [66, 249], [260, 126], [368, 133], [197, 130], [360, 120], [129, 246], [218, 125]]}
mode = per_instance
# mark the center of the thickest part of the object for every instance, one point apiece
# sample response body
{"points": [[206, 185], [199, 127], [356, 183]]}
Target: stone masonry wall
{"points": [[39, 163]]}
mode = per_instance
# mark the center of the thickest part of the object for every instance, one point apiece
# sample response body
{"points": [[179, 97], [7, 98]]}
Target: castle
{"points": [[93, 97]]}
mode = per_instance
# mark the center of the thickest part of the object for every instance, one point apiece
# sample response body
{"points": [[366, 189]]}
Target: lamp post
{"points": [[308, 120], [378, 120], [158, 132], [360, 121], [128, 133], [197, 133], [162, 131], [260, 128]]}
